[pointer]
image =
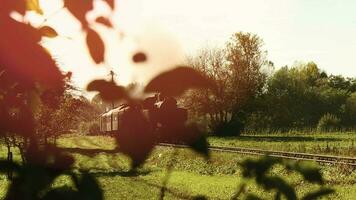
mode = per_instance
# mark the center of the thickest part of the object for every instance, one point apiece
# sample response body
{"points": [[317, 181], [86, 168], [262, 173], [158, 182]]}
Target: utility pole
{"points": [[112, 74], [112, 102]]}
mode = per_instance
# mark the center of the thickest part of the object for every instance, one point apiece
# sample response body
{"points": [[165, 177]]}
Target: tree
{"points": [[238, 73], [246, 60], [210, 104]]}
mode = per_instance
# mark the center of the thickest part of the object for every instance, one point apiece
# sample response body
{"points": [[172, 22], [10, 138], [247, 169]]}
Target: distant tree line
{"points": [[252, 96]]}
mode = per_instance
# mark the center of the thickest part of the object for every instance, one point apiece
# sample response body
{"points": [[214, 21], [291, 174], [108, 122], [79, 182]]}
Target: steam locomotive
{"points": [[158, 112]]}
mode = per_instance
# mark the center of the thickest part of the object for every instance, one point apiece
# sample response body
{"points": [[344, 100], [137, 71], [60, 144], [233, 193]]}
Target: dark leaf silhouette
{"points": [[139, 57], [175, 82], [96, 46], [278, 183], [200, 197], [201, 146], [48, 31], [252, 197], [111, 3], [105, 21], [135, 139], [318, 194], [35, 63], [89, 188], [61, 193], [108, 90], [79, 9], [8, 6], [309, 173]]}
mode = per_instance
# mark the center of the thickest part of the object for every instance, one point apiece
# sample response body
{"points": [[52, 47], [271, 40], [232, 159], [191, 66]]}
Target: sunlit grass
{"points": [[192, 174]]}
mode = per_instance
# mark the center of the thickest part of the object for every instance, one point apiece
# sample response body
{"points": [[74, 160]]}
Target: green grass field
{"points": [[192, 175], [337, 143]]}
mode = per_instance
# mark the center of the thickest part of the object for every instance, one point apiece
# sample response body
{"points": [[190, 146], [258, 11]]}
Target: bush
{"points": [[89, 128], [94, 129], [328, 122], [232, 128]]}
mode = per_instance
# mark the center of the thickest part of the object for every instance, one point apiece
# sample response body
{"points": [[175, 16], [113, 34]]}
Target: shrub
{"points": [[94, 129], [232, 128], [328, 122]]}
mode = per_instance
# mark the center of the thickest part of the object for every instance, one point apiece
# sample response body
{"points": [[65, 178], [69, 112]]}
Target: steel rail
{"points": [[278, 154]]}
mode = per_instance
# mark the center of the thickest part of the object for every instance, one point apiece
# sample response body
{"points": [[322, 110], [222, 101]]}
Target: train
{"points": [[158, 112]]}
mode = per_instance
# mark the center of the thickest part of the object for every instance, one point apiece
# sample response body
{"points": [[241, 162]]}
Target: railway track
{"points": [[350, 161]]}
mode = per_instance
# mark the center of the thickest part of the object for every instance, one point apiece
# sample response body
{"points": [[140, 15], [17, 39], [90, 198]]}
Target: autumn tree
{"points": [[238, 73], [247, 62]]}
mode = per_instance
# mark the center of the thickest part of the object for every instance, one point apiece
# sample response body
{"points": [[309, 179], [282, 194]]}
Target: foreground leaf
{"points": [[139, 57], [96, 46], [20, 40], [108, 90], [318, 194], [48, 31], [135, 139], [111, 3], [79, 9], [175, 82], [105, 21]]}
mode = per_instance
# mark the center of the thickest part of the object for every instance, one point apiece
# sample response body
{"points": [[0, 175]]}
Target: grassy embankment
{"points": [[192, 175]]}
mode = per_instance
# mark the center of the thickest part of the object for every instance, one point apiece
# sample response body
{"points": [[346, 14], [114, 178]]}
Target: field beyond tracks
{"points": [[192, 175]]}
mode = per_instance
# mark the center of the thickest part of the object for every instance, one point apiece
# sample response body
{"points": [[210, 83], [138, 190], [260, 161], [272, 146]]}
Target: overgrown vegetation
{"points": [[35, 105], [297, 97]]}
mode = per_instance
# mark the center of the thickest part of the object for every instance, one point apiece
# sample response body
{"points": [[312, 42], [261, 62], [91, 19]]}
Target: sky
{"points": [[323, 31]]}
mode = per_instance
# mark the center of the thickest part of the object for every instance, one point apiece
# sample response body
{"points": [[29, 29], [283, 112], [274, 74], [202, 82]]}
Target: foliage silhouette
{"points": [[258, 170], [35, 78]]}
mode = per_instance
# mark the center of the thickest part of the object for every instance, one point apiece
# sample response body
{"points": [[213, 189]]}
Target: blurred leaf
{"points": [[309, 173], [34, 5], [200, 197], [7, 6], [136, 138], [257, 168], [318, 194], [201, 146], [281, 185], [79, 9], [139, 57], [105, 21], [96, 46], [89, 188], [6, 165], [61, 193], [175, 82], [20, 40], [111, 3], [48, 31], [108, 90], [252, 197]]}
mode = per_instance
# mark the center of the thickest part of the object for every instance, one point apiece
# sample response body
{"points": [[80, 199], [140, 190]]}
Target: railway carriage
{"points": [[157, 112]]}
